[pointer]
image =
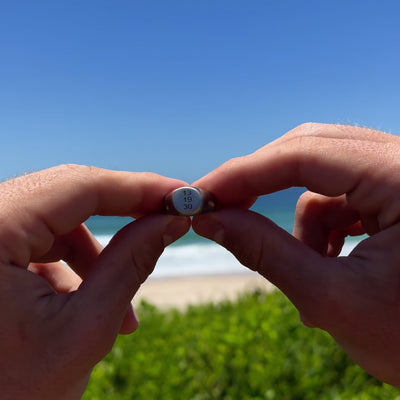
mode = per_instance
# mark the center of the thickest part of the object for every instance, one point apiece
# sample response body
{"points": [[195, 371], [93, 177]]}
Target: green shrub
{"points": [[254, 348]]}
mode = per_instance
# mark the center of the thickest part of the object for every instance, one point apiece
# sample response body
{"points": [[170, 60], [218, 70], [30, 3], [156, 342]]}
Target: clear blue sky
{"points": [[178, 87]]}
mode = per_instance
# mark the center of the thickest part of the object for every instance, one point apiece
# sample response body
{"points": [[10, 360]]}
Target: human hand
{"points": [[353, 175], [54, 326]]}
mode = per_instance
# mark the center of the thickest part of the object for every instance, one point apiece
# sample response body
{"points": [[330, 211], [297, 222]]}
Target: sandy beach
{"points": [[181, 292]]}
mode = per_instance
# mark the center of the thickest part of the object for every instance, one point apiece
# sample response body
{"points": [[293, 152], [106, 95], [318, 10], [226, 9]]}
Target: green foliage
{"points": [[254, 348]]}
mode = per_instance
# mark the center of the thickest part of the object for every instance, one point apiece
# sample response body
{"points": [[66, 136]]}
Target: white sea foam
{"points": [[202, 259], [193, 259], [197, 259], [348, 247]]}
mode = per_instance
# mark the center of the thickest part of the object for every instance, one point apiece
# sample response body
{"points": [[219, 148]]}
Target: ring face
{"points": [[188, 201]]}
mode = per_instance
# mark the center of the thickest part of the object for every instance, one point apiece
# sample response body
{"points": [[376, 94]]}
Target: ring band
{"points": [[188, 201]]}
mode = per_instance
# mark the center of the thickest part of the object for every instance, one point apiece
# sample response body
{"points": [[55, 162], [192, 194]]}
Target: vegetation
{"points": [[254, 348]]}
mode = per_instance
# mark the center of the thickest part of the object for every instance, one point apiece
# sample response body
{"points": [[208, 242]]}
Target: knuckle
{"points": [[306, 197], [310, 126], [308, 129], [76, 170], [309, 202], [233, 163]]}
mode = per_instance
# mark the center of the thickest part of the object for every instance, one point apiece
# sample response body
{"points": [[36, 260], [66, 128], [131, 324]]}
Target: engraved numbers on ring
{"points": [[187, 199]]}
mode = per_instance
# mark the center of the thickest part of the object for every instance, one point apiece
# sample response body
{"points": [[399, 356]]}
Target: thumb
{"points": [[261, 245], [103, 297]]}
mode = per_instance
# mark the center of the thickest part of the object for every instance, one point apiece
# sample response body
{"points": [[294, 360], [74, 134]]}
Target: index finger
{"points": [[35, 207], [328, 159]]}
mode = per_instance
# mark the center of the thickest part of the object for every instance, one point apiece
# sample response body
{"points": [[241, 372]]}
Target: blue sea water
{"points": [[194, 255]]}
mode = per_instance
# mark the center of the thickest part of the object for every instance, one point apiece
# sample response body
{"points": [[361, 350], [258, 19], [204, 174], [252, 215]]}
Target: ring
{"points": [[188, 201]]}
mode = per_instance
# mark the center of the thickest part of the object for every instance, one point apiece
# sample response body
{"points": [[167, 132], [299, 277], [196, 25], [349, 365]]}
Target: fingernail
{"points": [[175, 229]]}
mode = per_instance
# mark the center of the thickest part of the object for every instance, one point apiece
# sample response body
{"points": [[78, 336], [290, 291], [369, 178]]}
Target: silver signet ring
{"points": [[188, 201]]}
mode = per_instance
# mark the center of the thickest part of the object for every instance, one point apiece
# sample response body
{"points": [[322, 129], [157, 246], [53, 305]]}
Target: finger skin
{"points": [[122, 267], [353, 298], [326, 159], [37, 207], [52, 340], [78, 248], [128, 260], [354, 172], [61, 278], [55, 330], [262, 246], [323, 223]]}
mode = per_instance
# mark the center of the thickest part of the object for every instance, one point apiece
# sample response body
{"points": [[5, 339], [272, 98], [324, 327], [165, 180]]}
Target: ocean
{"points": [[193, 255]]}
